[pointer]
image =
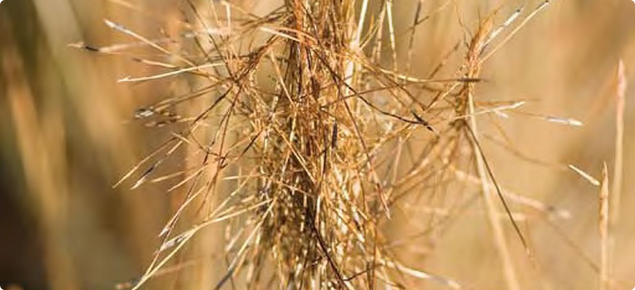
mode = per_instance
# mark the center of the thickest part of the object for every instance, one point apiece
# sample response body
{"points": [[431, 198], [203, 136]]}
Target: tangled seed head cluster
{"points": [[308, 136]]}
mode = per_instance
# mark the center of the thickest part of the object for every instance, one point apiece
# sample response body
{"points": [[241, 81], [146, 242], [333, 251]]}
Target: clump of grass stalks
{"points": [[299, 148]]}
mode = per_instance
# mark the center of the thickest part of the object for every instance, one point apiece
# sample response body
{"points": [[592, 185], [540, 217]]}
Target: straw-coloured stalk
{"points": [[620, 94], [603, 216]]}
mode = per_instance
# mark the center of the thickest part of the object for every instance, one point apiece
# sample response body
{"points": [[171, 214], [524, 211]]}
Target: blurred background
{"points": [[67, 135]]}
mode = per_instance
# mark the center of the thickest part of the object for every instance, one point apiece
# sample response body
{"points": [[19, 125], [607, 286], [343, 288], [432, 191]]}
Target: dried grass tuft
{"points": [[299, 146]]}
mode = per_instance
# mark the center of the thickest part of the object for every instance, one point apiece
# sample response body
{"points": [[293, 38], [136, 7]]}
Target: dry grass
{"points": [[305, 126], [311, 145]]}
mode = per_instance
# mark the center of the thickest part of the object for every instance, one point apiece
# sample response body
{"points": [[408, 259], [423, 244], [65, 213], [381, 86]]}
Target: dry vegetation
{"points": [[328, 144]]}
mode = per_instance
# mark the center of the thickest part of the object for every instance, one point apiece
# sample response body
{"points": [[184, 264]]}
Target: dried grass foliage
{"points": [[300, 148]]}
